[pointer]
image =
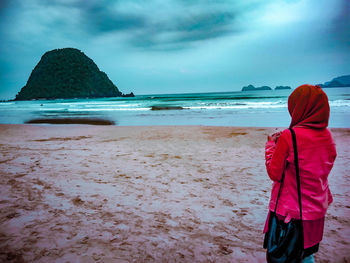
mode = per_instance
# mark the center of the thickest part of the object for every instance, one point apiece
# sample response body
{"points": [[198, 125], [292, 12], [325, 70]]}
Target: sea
{"points": [[239, 108]]}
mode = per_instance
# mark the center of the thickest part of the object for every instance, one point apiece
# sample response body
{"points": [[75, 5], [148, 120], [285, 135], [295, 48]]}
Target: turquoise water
{"points": [[256, 108]]}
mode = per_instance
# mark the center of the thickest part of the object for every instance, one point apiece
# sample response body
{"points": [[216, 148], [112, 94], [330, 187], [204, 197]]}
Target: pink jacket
{"points": [[317, 153]]}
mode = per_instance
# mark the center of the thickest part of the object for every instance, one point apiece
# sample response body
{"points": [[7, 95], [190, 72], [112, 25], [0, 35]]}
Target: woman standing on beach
{"points": [[309, 109]]}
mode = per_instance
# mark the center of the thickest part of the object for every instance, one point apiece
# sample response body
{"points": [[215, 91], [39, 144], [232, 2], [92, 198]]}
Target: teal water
{"points": [[256, 108]]}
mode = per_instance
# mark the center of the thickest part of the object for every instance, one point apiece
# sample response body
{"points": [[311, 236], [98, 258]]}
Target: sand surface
{"points": [[147, 194]]}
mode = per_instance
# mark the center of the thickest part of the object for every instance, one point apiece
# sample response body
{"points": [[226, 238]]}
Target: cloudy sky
{"points": [[175, 46]]}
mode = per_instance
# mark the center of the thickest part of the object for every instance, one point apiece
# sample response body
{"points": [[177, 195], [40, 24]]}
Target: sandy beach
{"points": [[82, 193]]}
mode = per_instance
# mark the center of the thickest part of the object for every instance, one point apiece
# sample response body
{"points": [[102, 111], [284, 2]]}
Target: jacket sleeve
{"points": [[276, 156]]}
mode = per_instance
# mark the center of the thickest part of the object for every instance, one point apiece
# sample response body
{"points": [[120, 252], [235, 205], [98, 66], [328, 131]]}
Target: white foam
{"points": [[339, 103], [109, 109]]}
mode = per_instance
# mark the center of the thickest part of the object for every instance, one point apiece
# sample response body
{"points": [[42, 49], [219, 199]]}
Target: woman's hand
{"points": [[274, 137]]}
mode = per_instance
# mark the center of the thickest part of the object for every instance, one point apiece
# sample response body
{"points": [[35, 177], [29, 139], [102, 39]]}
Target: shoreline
{"points": [[105, 123], [147, 193]]}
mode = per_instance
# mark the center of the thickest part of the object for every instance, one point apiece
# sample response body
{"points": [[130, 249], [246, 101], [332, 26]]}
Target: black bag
{"points": [[285, 241]]}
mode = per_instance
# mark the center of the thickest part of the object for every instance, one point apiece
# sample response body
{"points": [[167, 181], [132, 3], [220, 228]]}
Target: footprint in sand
{"points": [[77, 201]]}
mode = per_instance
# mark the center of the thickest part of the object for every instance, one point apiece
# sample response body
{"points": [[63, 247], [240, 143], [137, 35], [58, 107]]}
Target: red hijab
{"points": [[308, 106]]}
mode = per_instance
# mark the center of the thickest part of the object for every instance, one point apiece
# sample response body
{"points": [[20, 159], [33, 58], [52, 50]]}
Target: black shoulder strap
{"points": [[296, 163]]}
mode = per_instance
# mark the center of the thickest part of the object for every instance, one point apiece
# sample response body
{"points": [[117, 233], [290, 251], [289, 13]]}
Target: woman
{"points": [[309, 109]]}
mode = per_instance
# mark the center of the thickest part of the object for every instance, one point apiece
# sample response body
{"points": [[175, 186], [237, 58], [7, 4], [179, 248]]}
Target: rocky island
{"points": [[67, 73], [338, 82], [252, 88]]}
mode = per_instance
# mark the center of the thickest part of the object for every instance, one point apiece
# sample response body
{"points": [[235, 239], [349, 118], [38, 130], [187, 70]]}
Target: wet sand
{"points": [[82, 193]]}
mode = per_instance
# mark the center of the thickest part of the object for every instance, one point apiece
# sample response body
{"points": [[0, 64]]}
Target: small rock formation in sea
{"points": [[89, 121], [252, 88], [67, 73], [282, 87], [155, 107], [131, 94], [343, 81]]}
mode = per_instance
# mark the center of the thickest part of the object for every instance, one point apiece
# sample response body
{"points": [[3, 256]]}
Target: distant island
{"points": [[252, 88], [65, 74], [338, 82], [343, 81]]}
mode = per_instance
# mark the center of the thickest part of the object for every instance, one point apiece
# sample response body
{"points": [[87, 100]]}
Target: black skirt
{"points": [[311, 250]]}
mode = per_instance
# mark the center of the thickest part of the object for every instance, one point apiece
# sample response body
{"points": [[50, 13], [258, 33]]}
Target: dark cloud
{"points": [[108, 20], [189, 22], [206, 22], [341, 24], [142, 24], [3, 5], [184, 31]]}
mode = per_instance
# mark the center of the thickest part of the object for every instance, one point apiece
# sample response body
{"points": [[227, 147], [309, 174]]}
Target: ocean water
{"points": [[255, 108]]}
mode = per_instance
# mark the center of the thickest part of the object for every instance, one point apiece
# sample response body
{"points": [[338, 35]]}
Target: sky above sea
{"points": [[181, 46]]}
